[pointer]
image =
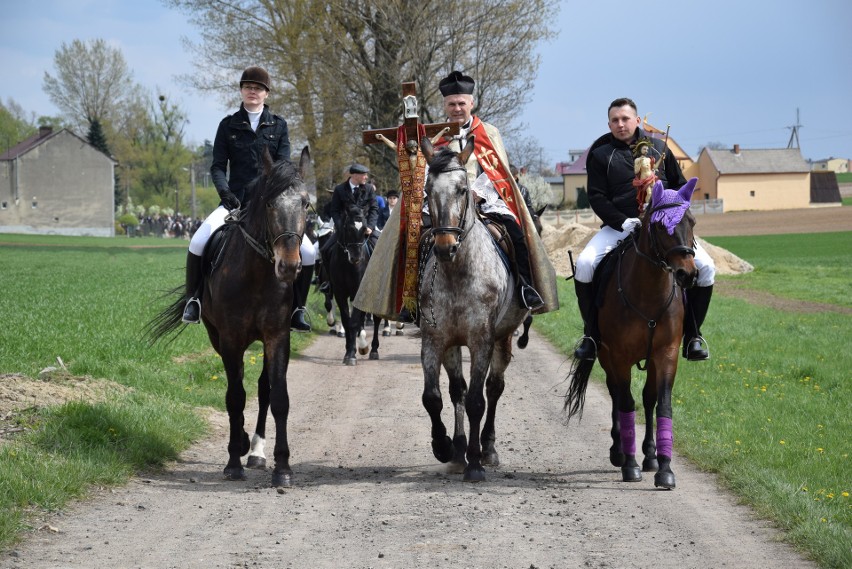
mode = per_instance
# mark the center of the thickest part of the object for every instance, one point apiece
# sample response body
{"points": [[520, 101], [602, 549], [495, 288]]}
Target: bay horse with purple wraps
{"points": [[249, 298], [641, 318], [467, 298]]}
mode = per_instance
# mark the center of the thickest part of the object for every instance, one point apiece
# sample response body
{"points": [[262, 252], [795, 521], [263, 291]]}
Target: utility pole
{"points": [[794, 134]]}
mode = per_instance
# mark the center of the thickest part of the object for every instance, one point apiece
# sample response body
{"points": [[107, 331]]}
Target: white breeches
{"points": [[309, 251], [216, 219], [213, 222], [607, 239]]}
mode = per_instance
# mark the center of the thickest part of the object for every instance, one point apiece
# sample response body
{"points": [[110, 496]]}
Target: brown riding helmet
{"points": [[257, 75]]}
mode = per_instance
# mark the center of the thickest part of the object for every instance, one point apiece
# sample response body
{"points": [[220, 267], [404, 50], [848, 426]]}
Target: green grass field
{"points": [[768, 413]]}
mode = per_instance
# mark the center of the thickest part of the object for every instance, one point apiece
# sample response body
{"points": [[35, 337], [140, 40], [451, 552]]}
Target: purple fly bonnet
{"points": [[670, 215]]}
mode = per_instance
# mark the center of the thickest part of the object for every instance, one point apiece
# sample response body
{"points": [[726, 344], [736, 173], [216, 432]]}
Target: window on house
{"points": [[4, 205], [706, 196], [751, 193], [35, 202]]}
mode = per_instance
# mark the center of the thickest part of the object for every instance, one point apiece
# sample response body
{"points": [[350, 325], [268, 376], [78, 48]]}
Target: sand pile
{"points": [[574, 236]]}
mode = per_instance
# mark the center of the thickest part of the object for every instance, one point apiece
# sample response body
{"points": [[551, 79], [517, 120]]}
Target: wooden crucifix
{"points": [[405, 141], [412, 126]]}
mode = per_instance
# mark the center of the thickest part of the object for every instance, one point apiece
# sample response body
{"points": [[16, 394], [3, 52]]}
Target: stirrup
{"points": [[190, 317], [580, 355], [298, 323], [699, 355], [537, 303]]}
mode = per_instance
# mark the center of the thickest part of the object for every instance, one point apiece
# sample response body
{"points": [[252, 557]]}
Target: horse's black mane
{"points": [[441, 161], [266, 187]]}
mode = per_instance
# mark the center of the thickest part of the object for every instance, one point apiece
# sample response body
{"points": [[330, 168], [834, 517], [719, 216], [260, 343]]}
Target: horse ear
{"points": [[686, 191], [468, 150], [304, 162], [657, 192], [541, 211], [266, 157], [426, 147]]}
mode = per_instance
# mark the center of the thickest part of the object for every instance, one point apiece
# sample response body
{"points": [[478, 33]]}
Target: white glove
{"points": [[630, 224]]}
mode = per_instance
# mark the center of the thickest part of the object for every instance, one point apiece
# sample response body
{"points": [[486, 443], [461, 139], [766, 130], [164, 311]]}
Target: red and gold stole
{"points": [[410, 219], [491, 164]]}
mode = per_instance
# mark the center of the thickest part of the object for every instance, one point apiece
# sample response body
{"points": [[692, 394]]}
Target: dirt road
{"points": [[369, 493]]}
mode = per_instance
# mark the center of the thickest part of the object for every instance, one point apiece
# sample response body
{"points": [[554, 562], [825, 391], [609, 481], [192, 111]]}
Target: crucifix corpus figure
{"points": [[390, 283]]}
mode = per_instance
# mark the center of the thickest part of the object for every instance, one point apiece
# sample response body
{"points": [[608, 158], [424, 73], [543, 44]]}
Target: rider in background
{"points": [[238, 148], [355, 190], [613, 197]]}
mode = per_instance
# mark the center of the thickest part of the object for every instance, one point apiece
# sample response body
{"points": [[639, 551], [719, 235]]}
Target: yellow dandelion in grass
{"points": [[252, 360], [804, 488], [845, 494], [820, 449], [823, 520], [737, 442], [214, 377], [782, 442], [830, 495]]}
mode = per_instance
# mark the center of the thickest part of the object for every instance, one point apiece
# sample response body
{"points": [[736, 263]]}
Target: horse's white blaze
{"points": [[358, 225], [257, 446]]}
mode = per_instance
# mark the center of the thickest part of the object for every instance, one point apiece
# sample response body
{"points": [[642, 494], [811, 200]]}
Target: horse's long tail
{"points": [[580, 372], [167, 324]]}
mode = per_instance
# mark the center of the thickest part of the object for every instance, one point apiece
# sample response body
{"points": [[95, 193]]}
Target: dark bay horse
{"points": [[467, 298], [347, 262], [248, 298], [641, 319]]}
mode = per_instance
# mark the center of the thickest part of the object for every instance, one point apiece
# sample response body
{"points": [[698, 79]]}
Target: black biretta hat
{"points": [[456, 84]]}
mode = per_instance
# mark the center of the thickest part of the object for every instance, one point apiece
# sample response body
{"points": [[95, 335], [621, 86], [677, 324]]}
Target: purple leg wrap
{"points": [[627, 422], [665, 437]]}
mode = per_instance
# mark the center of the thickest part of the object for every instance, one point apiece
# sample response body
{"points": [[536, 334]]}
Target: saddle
{"points": [[607, 266]]}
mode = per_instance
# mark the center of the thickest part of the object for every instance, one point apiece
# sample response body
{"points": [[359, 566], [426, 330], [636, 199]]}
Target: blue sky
{"points": [[723, 71]]}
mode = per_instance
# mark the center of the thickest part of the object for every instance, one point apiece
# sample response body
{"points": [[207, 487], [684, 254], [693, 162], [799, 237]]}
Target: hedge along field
{"points": [[86, 301], [769, 412]]}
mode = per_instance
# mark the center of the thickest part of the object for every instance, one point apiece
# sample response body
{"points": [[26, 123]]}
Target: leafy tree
{"points": [[92, 82], [14, 125], [337, 65]]}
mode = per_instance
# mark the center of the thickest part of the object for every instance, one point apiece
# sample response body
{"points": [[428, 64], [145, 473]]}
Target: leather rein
{"points": [[661, 262]]}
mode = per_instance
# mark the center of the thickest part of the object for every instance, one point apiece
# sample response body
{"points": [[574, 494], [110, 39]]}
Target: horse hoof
{"points": [[364, 351], [491, 458], [282, 479], [443, 449], [350, 361], [474, 474], [236, 473], [332, 332], [400, 332], [523, 341], [341, 334], [385, 333], [329, 319], [631, 474], [650, 465], [665, 480], [374, 355], [256, 462], [616, 457]]}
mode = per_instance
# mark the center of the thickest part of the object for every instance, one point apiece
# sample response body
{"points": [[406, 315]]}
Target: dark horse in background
{"points": [[249, 298], [347, 262], [641, 318], [467, 298]]}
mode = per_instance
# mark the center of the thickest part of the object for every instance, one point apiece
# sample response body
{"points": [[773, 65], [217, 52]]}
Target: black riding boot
{"points": [[192, 310], [697, 303], [588, 349], [301, 287]]}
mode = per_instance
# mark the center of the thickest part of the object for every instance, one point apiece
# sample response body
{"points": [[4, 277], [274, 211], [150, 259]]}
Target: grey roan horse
{"points": [[466, 299], [250, 298]]}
